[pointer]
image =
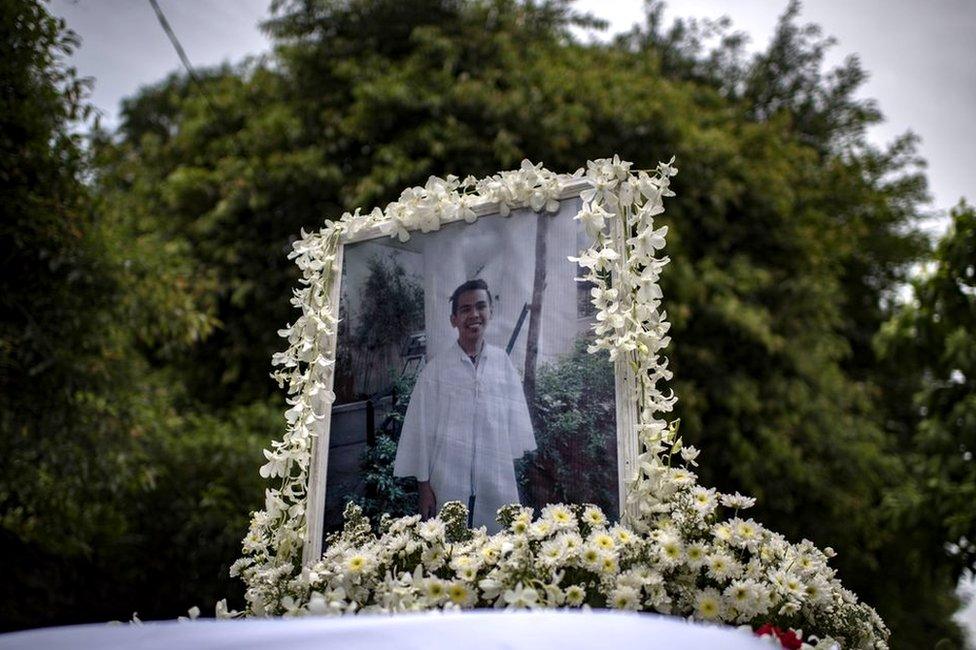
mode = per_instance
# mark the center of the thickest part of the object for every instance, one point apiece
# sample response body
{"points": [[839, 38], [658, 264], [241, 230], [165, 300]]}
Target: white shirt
{"points": [[464, 428]]}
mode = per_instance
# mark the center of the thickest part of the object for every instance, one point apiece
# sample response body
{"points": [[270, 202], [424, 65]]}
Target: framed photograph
{"points": [[462, 373]]}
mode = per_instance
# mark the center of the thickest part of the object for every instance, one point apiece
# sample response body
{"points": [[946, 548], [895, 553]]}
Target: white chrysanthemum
{"points": [[622, 535], [659, 599], [625, 598], [435, 590], [708, 604], [789, 584], [491, 587], [461, 594], [572, 542], [682, 477], [695, 555], [404, 523], [807, 563], [594, 517], [722, 566], [746, 534], [629, 579], [789, 608], [433, 557], [817, 591], [520, 525], [490, 552], [431, 530], [253, 543], [602, 541], [356, 564], [648, 577], [768, 553], [704, 500], [468, 573], [737, 501], [559, 516], [396, 543], [461, 563], [671, 550], [754, 569], [552, 552], [746, 598], [609, 565], [591, 558], [575, 595], [764, 597], [722, 532], [540, 529]]}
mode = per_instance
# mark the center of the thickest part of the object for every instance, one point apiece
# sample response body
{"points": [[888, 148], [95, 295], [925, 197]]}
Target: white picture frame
{"points": [[565, 190]]}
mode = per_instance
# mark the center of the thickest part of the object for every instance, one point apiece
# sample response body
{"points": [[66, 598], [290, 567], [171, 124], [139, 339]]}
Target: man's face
{"points": [[472, 315]]}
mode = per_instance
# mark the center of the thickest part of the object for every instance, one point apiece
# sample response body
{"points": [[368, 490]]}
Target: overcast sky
{"points": [[921, 57]]}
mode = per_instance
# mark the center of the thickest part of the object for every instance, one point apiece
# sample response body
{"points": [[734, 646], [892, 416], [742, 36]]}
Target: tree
{"points": [[390, 308], [932, 339], [104, 482]]}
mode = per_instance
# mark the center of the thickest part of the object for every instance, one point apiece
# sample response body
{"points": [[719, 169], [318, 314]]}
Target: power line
{"points": [[179, 51]]}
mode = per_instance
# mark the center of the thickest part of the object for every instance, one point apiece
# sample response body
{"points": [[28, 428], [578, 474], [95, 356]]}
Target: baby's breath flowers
{"points": [[679, 548]]}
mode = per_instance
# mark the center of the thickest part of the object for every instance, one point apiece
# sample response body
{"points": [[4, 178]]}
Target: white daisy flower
{"points": [[431, 530], [737, 501], [708, 604], [461, 594], [624, 598], [435, 590], [594, 517], [695, 555], [559, 516], [602, 541], [575, 595]]}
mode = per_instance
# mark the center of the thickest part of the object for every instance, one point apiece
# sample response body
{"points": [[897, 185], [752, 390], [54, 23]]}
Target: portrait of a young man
{"points": [[467, 421]]}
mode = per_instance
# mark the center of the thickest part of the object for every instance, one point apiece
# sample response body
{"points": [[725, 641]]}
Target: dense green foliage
{"points": [[115, 494], [152, 294], [931, 344]]}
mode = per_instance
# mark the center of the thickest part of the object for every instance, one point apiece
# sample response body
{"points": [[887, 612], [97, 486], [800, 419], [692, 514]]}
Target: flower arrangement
{"points": [[680, 548]]}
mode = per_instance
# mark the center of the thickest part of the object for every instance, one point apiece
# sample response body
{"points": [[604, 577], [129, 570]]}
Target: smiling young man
{"points": [[467, 421]]}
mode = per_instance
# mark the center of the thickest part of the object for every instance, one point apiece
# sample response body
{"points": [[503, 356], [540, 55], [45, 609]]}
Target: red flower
{"points": [[787, 638]]}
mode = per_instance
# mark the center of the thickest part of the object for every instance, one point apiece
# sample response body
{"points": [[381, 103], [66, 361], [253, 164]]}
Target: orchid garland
{"points": [[672, 552]]}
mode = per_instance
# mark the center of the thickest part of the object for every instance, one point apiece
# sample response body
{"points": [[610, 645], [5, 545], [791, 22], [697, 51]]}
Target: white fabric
{"points": [[485, 630], [464, 427]]}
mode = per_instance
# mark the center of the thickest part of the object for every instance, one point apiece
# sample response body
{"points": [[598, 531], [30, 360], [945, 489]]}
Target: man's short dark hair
{"points": [[470, 285]]}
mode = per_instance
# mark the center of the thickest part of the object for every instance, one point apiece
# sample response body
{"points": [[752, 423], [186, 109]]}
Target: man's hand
{"points": [[428, 500]]}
